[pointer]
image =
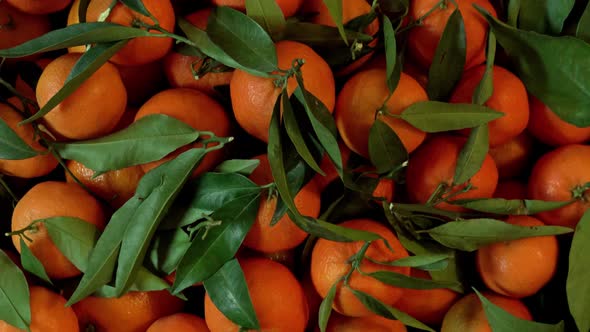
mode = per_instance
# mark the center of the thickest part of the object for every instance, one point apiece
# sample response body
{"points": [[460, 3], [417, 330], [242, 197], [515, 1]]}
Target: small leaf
{"points": [[325, 309], [485, 88], [583, 28], [449, 59], [544, 16], [513, 11], [139, 7], [386, 149], [435, 116], [472, 154], [167, 249], [577, 287], [321, 35], [13, 147], [74, 238], [242, 39], [404, 281], [426, 262], [239, 166], [295, 177], [268, 14], [470, 235], [228, 291], [510, 207], [15, 307], [31, 263], [148, 139], [390, 53], [335, 9], [145, 281], [502, 321]]}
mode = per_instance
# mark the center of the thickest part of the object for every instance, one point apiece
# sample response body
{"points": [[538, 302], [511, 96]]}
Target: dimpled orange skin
{"points": [[435, 162], [467, 314], [179, 322], [329, 263], [17, 27], [339, 323], [360, 99], [48, 313], [509, 97], [284, 235], [423, 39], [253, 98], [555, 175], [550, 129], [513, 157], [288, 7], [39, 165], [132, 312], [277, 296], [92, 110], [195, 109], [519, 268]]}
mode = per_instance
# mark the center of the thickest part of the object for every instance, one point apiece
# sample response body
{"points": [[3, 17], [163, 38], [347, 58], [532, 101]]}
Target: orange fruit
{"points": [[360, 99], [140, 50], [329, 263], [424, 38], [509, 97], [92, 110], [37, 7], [53, 199], [467, 314], [339, 323], [288, 7], [519, 268], [434, 164], [557, 176], [426, 305], [179, 322], [195, 109], [39, 165], [116, 187], [132, 312], [48, 313], [142, 81], [513, 157], [550, 129], [17, 27], [178, 67], [511, 190], [284, 234], [277, 296], [253, 98]]}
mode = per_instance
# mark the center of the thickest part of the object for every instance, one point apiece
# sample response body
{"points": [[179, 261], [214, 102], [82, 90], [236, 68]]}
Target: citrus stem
{"points": [[207, 225], [21, 232], [435, 198], [442, 4], [579, 192], [8, 190]]}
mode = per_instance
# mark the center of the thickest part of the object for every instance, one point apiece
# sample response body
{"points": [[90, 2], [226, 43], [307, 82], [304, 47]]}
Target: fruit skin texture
{"points": [[39, 165], [37, 7], [519, 268], [132, 312], [53, 199], [467, 314], [48, 313], [329, 263], [179, 322], [426, 305], [284, 235], [550, 129], [509, 97], [17, 27], [339, 323], [253, 98], [513, 157], [93, 110], [277, 296], [288, 7], [555, 177], [423, 39], [434, 163], [360, 99], [195, 109]]}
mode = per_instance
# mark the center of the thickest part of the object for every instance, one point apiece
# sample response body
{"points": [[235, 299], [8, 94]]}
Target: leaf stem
{"points": [[8, 190]]}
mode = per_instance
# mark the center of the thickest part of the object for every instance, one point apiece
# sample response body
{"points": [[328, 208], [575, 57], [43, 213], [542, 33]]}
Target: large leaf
{"points": [[148, 139], [577, 287], [472, 154], [510, 206], [554, 69], [14, 294], [386, 149], [13, 147], [544, 16], [31, 263], [74, 238], [268, 14]]}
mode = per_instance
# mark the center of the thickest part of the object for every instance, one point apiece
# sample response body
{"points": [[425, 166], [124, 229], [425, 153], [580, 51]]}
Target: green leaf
{"points": [[386, 149], [13, 147], [544, 16], [207, 255], [74, 35], [485, 88], [472, 154], [268, 14], [228, 291], [321, 35], [404, 281], [513, 11], [502, 321], [239, 166], [157, 190], [427, 262], [14, 294], [325, 309], [510, 207], [583, 27], [82, 10], [167, 249], [549, 68], [435, 116], [470, 235], [390, 53], [296, 178], [74, 238], [449, 59], [335, 9], [139, 7], [145, 281], [242, 39], [577, 286], [31, 263], [148, 139], [87, 64]]}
